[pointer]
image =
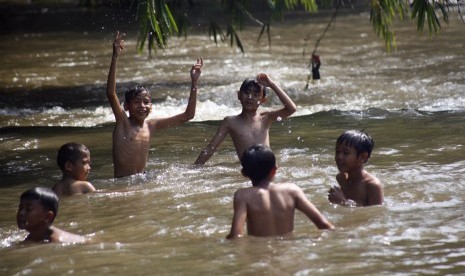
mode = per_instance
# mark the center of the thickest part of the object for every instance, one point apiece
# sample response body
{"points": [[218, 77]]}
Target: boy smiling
{"points": [[357, 186]]}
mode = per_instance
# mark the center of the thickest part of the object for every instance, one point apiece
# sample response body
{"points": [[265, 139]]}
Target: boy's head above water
{"points": [[258, 162], [138, 102], [35, 205], [132, 93], [253, 88], [71, 152], [358, 139]]}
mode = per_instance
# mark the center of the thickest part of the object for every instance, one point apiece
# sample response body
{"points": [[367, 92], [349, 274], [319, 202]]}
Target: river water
{"points": [[174, 219]]}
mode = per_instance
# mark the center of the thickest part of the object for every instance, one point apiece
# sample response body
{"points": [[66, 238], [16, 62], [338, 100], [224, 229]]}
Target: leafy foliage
{"points": [[157, 23]]}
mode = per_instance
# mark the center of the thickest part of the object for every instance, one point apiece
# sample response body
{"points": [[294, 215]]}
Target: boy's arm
{"points": [[305, 206], [239, 217], [289, 105], [189, 113], [208, 151], [118, 45]]}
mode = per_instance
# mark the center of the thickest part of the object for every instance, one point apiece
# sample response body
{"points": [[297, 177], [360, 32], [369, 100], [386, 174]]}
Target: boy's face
{"points": [[80, 169], [32, 215], [346, 158], [251, 98], [140, 106]]}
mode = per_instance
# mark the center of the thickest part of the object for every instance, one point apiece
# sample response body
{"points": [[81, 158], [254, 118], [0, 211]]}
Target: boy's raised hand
{"points": [[118, 44], [196, 70], [264, 80]]}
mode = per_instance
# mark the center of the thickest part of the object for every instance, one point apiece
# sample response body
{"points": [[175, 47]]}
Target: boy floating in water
{"points": [[37, 210], [131, 137], [357, 186], [250, 127], [269, 208], [74, 162]]}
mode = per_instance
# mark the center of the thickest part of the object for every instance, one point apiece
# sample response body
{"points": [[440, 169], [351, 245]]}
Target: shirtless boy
{"points": [[250, 127], [37, 210], [132, 135], [269, 208], [356, 186], [74, 162]]}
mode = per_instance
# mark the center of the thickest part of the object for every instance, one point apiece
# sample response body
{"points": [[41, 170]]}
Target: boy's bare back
{"points": [[270, 211]]}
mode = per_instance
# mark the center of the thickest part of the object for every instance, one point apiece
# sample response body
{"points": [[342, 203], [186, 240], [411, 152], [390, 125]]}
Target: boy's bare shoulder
{"points": [[68, 188], [83, 186], [372, 181], [61, 236], [289, 188]]}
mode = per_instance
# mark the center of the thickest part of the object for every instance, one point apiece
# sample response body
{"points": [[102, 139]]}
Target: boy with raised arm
{"points": [[357, 187], [74, 162], [37, 210], [250, 127], [131, 136], [269, 208]]}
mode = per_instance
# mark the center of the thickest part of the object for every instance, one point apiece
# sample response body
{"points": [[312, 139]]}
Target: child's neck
{"points": [[248, 113], [67, 178], [136, 122], [356, 175], [262, 184], [40, 235]]}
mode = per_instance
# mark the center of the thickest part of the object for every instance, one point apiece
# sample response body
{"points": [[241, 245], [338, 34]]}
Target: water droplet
{"points": [[279, 119], [290, 131]]}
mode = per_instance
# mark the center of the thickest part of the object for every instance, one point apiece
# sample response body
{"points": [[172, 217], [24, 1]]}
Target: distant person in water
{"points": [[74, 162], [357, 187], [250, 127], [269, 208], [316, 63], [132, 135], [37, 210]]}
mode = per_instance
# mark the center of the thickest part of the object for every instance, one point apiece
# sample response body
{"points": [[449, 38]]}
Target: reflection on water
{"points": [[173, 219]]}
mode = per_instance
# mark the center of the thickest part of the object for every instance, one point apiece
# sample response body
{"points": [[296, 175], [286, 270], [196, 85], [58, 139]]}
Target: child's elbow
{"points": [[292, 109], [190, 116]]}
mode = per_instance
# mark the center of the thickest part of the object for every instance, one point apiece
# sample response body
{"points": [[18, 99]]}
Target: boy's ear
{"points": [[364, 156], [243, 172], [68, 166], [50, 216], [272, 172]]}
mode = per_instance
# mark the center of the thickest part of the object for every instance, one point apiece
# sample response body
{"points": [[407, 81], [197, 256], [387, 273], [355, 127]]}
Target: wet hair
{"points": [[257, 162], [46, 196], [359, 139], [252, 84], [133, 92], [70, 152]]}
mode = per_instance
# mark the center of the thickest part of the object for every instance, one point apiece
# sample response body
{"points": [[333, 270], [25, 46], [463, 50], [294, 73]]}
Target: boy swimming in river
{"points": [[269, 208], [250, 127], [132, 135], [74, 162], [357, 187], [37, 210]]}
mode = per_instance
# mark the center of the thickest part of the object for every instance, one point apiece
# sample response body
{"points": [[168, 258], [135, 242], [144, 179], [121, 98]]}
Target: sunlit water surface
{"points": [[173, 219]]}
